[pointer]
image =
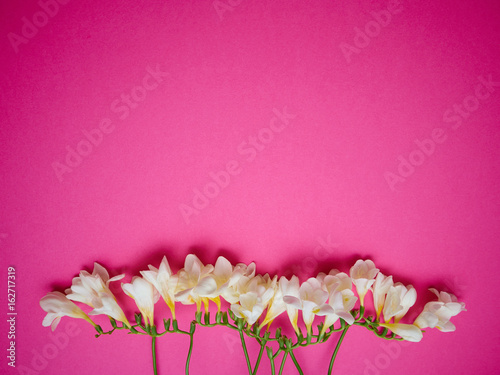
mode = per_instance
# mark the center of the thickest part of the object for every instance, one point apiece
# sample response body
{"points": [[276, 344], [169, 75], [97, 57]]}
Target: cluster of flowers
{"points": [[250, 295]]}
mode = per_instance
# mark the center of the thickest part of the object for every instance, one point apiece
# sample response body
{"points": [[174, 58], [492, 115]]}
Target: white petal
{"points": [[165, 267], [454, 307], [248, 300], [48, 319], [101, 272], [446, 327], [223, 268], [184, 295], [425, 320], [128, 289], [324, 310], [116, 278], [292, 301], [55, 323], [349, 319], [149, 276], [206, 287], [409, 332]]}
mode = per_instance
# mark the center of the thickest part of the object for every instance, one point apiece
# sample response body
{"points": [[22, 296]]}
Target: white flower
{"points": [[291, 288], [254, 298], [341, 300], [311, 298], [189, 277], [250, 307], [86, 287], [363, 273], [438, 313], [408, 297], [380, 288], [398, 301], [223, 276], [242, 274], [56, 305], [409, 332], [145, 296], [335, 280], [107, 305], [241, 270], [164, 282], [276, 305], [93, 290]]}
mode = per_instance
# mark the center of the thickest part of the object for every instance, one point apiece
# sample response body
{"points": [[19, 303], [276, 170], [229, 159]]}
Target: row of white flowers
{"points": [[258, 299]]}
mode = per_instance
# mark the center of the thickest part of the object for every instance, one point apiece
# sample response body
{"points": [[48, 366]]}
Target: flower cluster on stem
{"points": [[255, 301]]}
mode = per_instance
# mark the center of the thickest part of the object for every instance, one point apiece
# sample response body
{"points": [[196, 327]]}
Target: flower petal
{"points": [[409, 332]]}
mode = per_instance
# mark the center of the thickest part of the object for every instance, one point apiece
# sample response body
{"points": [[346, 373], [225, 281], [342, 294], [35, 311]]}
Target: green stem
{"points": [[334, 355], [273, 371], [296, 363], [244, 345], [283, 362], [188, 359], [262, 347], [361, 313], [153, 349]]}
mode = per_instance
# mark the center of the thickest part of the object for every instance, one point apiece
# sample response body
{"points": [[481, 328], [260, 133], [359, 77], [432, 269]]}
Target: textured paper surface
{"points": [[345, 130]]}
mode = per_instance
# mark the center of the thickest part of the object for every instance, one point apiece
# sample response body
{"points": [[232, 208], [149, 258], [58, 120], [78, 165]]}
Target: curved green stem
{"points": [[334, 355], [282, 366], [153, 349], [188, 359], [296, 363], [244, 345]]}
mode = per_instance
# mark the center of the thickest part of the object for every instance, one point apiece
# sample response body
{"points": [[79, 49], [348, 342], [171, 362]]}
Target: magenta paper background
{"points": [[323, 191]]}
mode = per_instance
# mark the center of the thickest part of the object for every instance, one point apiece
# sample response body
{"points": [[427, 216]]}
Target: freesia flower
{"points": [[409, 332], [93, 290], [335, 280], [291, 288], [164, 282], [362, 274], [380, 288], [145, 296], [408, 297], [398, 301], [242, 274], [438, 313], [255, 297], [275, 307], [341, 299], [214, 284], [107, 305], [311, 298], [188, 291], [250, 307], [85, 288], [57, 305]]}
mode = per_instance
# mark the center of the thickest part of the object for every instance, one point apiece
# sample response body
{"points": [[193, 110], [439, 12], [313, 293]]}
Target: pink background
{"points": [[314, 197]]}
